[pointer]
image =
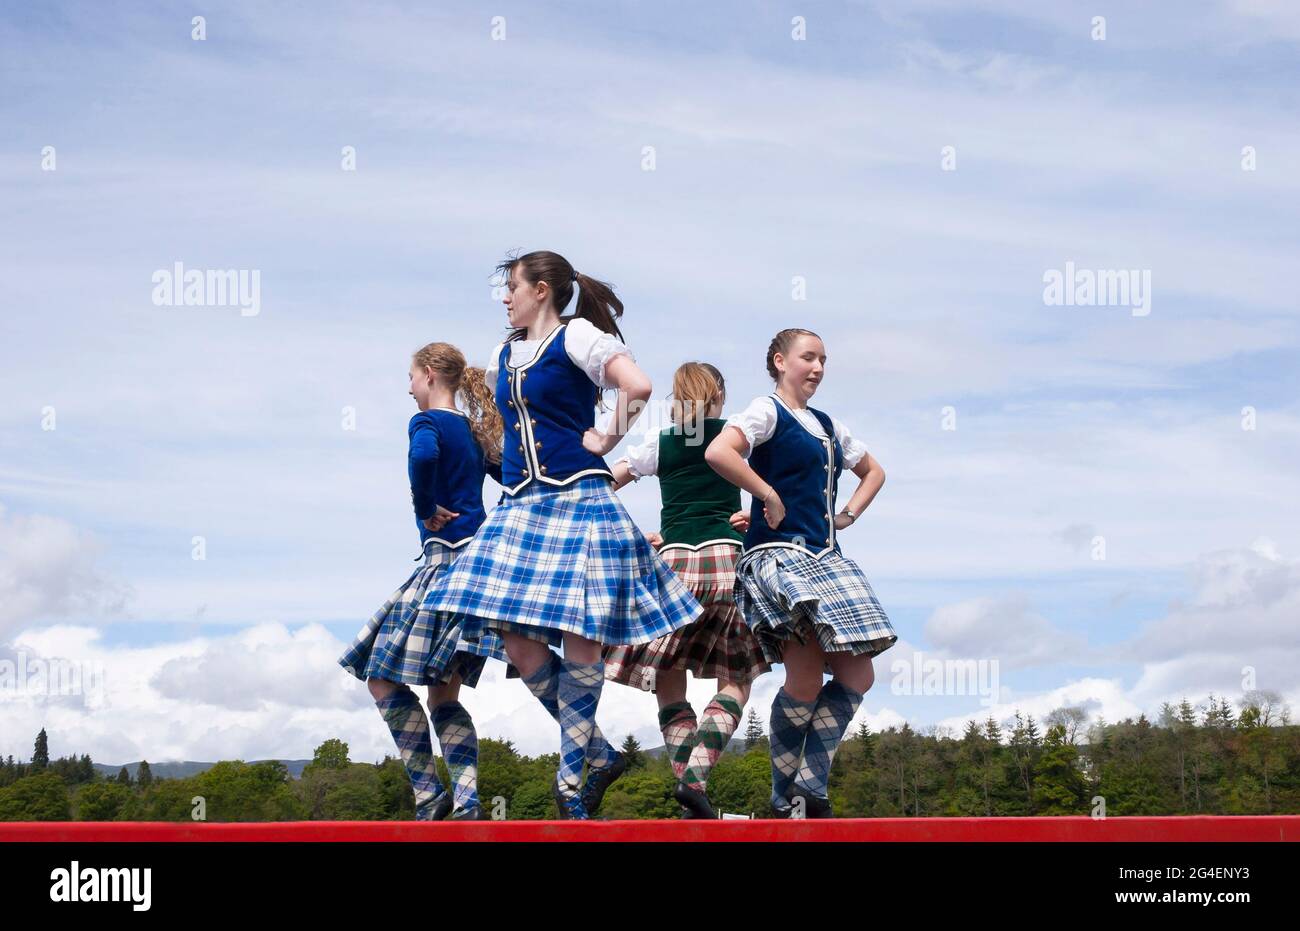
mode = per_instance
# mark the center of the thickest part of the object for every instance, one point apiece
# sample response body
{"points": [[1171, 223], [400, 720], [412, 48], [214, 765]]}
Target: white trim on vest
{"points": [[534, 473], [699, 546], [828, 494]]}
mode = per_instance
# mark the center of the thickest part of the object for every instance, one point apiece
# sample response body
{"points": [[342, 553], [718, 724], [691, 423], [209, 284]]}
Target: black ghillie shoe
{"points": [[468, 814], [695, 802], [814, 806], [571, 807], [436, 808], [598, 780]]}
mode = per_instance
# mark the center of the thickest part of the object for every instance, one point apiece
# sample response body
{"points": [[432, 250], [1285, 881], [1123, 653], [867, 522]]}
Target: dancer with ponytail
{"points": [[559, 561], [403, 645], [700, 541], [812, 608]]}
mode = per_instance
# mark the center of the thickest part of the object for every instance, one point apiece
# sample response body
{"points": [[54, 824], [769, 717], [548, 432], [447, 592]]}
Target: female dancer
{"points": [[811, 607], [700, 543], [559, 559], [450, 453]]}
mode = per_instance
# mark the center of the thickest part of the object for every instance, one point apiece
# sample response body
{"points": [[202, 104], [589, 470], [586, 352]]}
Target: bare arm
{"points": [[634, 390], [622, 474], [871, 477], [726, 456]]}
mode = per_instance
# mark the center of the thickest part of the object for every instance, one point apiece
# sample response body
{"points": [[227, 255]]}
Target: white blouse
{"points": [[758, 423], [587, 345], [643, 458]]}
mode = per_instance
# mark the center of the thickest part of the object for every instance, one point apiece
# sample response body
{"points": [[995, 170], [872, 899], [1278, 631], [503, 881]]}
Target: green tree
{"points": [[332, 754], [41, 755], [631, 751], [144, 775], [1058, 786], [101, 801], [38, 797], [753, 729], [239, 791], [643, 793], [532, 801], [742, 784], [123, 776], [357, 796]]}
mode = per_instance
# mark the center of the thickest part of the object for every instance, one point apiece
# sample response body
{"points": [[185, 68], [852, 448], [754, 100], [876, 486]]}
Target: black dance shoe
{"points": [[814, 806], [695, 802], [436, 808], [468, 814], [571, 807], [598, 780]]}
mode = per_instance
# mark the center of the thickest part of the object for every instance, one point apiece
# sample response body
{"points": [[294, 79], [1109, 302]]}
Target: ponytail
{"points": [[597, 302], [485, 420]]}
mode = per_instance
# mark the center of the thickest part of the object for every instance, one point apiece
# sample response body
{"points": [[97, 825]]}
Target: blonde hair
{"points": [[448, 363], [696, 386]]}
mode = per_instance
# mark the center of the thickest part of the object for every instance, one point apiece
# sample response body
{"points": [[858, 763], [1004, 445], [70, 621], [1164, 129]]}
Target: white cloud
{"points": [[1244, 603], [1004, 629], [47, 570]]}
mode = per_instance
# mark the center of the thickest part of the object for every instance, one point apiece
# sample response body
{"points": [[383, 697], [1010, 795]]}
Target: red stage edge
{"points": [[1217, 829]]}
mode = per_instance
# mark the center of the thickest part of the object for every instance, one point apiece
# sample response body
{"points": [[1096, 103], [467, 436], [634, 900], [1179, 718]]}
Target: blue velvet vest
{"points": [[805, 470], [547, 404], [447, 472]]}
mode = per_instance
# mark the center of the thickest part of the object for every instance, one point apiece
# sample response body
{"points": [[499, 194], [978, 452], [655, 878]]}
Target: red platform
{"points": [[1061, 829]]}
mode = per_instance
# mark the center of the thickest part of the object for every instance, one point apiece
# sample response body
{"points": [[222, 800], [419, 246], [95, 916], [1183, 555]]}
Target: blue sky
{"points": [[774, 158]]}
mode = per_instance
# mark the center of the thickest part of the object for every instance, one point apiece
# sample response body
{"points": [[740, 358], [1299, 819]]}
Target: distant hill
{"points": [[181, 768]]}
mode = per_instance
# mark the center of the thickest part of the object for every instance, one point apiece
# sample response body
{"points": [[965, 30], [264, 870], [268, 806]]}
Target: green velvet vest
{"points": [[697, 502]]}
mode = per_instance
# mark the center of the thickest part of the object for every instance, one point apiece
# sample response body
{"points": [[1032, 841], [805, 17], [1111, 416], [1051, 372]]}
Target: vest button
{"points": [[538, 444], [511, 403], [516, 425], [543, 470], [521, 449], [532, 421]]}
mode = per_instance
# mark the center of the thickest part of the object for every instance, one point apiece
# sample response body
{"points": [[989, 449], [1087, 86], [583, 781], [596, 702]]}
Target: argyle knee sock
{"points": [[578, 694], [406, 721], [788, 727], [456, 734], [544, 684], [721, 716], [677, 722], [835, 708]]}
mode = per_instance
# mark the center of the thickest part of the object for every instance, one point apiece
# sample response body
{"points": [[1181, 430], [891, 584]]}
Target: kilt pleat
{"points": [[786, 593], [404, 643], [717, 645], [557, 559]]}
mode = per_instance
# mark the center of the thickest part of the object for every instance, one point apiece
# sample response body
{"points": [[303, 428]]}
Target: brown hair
{"points": [[781, 343], [596, 299], [696, 385], [448, 363]]}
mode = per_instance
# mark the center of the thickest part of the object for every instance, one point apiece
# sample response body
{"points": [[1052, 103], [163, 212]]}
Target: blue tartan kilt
{"points": [[404, 643], [787, 593], [555, 559]]}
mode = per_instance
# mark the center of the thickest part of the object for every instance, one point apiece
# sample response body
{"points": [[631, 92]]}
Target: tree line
{"points": [[1207, 759]]}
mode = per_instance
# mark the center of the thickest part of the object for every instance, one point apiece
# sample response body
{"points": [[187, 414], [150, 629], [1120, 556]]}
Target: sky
{"points": [[1095, 499]]}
